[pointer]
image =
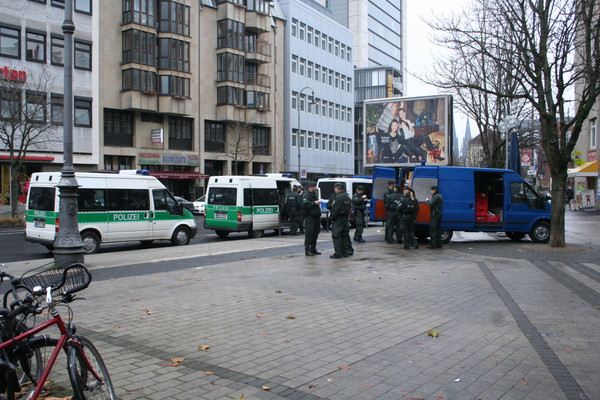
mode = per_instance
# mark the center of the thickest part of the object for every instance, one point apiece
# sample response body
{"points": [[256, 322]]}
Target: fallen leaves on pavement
{"points": [[203, 348], [433, 332]]}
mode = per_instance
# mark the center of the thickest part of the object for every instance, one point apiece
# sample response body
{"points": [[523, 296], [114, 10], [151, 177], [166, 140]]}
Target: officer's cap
{"points": [[360, 187], [391, 182], [311, 184], [339, 184]]}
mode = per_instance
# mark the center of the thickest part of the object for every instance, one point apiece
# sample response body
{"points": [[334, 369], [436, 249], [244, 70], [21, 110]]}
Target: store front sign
{"points": [[168, 159], [13, 75]]}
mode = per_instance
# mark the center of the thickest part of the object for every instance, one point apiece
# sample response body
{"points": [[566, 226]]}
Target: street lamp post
{"points": [[299, 131], [67, 245]]}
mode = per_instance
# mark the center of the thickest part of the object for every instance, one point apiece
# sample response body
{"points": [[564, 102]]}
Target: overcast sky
{"points": [[420, 48]]}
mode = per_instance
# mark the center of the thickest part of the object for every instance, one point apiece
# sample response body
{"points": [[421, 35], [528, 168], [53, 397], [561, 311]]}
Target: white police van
{"points": [[112, 208], [250, 204], [325, 186]]}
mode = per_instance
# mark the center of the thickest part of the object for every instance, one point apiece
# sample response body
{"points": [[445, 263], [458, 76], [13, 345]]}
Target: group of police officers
{"points": [[401, 206]]}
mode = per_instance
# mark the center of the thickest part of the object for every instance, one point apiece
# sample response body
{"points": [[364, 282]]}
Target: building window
{"points": [[294, 27], [337, 48], [230, 67], [83, 6], [324, 142], [261, 141], [57, 108], [337, 144], [317, 141], [180, 133], [214, 136], [10, 105], [118, 128], [330, 110], [309, 141], [173, 54], [593, 133], [36, 106], [140, 12], [152, 117], [330, 75], [294, 64], [82, 110], [317, 72], [174, 18], [349, 54], [294, 137], [57, 50], [337, 111], [302, 66], [309, 35], [323, 74], [10, 42], [302, 102], [317, 38], [309, 72], [229, 95], [58, 3], [230, 33], [36, 47], [175, 86], [115, 163], [139, 80], [258, 100], [83, 54], [139, 47], [330, 48], [294, 100], [330, 143], [302, 30], [302, 139], [261, 6], [324, 108], [323, 41], [317, 107], [337, 80]]}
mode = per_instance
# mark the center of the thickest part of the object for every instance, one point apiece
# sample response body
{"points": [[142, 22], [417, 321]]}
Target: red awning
{"points": [[30, 158], [178, 175]]}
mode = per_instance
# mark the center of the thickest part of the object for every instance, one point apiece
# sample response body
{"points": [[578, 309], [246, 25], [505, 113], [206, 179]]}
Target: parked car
{"points": [[199, 205], [185, 203]]}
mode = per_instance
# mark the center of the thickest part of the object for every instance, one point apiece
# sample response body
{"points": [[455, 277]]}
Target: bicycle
{"points": [[21, 350]]}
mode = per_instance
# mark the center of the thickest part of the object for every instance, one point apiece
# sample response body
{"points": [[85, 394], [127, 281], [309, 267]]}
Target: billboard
{"points": [[408, 131]]}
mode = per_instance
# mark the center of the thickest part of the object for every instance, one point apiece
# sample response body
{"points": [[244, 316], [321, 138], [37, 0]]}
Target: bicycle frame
{"points": [[65, 336]]}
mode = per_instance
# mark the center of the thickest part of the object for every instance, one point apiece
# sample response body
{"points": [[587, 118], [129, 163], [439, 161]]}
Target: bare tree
{"points": [[238, 144], [542, 48], [25, 121]]}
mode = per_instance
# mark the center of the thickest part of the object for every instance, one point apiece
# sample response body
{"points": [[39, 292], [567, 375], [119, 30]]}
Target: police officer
{"points": [[300, 191], [409, 208], [293, 206], [312, 217], [389, 229], [435, 204], [339, 206], [393, 215], [359, 206]]}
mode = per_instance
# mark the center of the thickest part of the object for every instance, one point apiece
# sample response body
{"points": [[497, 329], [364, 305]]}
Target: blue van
{"points": [[475, 200]]}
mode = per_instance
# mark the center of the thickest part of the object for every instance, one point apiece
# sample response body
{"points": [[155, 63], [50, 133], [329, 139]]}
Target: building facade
{"points": [[31, 88], [319, 92], [187, 89]]}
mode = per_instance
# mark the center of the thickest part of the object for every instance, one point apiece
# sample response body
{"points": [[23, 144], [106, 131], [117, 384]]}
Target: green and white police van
{"points": [[112, 208], [250, 204]]}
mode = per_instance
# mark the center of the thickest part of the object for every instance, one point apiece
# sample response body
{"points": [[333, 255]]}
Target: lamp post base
{"points": [[67, 245]]}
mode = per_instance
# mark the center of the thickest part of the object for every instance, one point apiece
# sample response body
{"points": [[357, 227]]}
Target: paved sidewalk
{"points": [[515, 320]]}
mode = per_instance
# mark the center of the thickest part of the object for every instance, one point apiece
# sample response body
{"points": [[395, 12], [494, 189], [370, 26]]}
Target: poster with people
{"points": [[408, 131]]}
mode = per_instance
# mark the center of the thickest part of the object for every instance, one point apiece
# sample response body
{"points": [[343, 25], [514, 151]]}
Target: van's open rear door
{"points": [[381, 176]]}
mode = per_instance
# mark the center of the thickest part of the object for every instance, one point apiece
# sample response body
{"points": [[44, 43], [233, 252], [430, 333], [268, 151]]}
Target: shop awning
{"points": [[178, 175], [30, 158], [585, 169]]}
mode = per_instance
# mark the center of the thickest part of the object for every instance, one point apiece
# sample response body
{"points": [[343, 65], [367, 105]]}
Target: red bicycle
{"points": [[24, 368]]}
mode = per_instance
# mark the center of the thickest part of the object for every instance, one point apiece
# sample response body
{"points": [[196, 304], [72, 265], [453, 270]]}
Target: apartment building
{"points": [[186, 89], [31, 86], [319, 95]]}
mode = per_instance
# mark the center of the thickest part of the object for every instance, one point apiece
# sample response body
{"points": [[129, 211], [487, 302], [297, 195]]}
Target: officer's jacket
{"points": [[340, 205], [308, 204]]}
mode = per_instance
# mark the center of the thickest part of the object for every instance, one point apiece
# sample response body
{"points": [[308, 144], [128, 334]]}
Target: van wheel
{"points": [[181, 236], [222, 234], [256, 234], [91, 242], [515, 236], [540, 233], [446, 235]]}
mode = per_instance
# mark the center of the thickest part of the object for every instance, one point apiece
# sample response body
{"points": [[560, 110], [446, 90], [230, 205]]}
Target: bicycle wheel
{"points": [[85, 363]]}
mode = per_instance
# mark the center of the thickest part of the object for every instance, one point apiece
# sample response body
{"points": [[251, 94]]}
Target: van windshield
{"points": [[41, 199], [326, 189], [222, 196]]}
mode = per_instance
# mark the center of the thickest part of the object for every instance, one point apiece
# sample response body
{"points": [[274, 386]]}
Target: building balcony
{"points": [[262, 80], [233, 113], [257, 22], [257, 116], [139, 101], [258, 51], [233, 11], [175, 105]]}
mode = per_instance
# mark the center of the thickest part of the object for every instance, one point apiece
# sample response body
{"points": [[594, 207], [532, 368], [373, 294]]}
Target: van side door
{"points": [[128, 215], [165, 214], [265, 207], [523, 206]]}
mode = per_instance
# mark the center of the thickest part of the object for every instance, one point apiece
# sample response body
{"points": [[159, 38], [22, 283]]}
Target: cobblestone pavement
{"points": [[515, 320]]}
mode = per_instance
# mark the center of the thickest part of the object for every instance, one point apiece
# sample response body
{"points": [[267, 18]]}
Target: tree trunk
{"points": [[14, 192], [557, 235]]}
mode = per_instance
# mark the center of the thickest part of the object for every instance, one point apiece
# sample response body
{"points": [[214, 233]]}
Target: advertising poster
{"points": [[408, 131]]}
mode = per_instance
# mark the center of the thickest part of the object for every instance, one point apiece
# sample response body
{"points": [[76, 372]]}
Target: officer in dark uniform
{"points": [[409, 208], [300, 191], [312, 218], [293, 206], [393, 215], [359, 206], [435, 224], [389, 229], [340, 205]]}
